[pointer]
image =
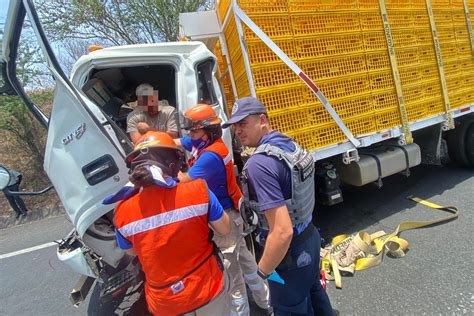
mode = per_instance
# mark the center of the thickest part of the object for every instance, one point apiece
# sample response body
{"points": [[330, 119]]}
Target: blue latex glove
{"points": [[275, 277]]}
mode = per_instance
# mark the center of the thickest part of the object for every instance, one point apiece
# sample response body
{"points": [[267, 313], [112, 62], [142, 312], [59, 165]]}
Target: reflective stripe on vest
{"points": [[233, 191], [167, 218], [169, 231]]}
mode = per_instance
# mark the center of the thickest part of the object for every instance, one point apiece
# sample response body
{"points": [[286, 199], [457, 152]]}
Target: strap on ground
{"points": [[360, 251]]}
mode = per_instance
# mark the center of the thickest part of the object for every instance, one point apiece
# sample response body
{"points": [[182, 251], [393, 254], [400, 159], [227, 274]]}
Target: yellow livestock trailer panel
{"points": [[344, 47]]}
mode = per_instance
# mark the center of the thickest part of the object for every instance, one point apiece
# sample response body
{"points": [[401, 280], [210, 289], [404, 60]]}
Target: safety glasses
{"points": [[189, 124]]}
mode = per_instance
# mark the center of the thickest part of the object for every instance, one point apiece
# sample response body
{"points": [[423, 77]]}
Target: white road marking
{"points": [[26, 250]]}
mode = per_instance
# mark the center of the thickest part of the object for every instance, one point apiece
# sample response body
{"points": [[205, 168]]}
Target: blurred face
{"points": [[149, 102], [251, 129], [197, 134]]}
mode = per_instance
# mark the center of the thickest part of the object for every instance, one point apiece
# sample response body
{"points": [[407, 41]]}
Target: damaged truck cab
{"points": [[106, 79], [87, 140]]}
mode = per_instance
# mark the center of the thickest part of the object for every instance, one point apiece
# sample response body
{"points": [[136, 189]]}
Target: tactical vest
{"points": [[301, 164]]}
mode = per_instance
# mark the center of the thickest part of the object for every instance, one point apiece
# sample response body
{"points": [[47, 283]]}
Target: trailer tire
{"points": [[470, 144], [457, 146]]}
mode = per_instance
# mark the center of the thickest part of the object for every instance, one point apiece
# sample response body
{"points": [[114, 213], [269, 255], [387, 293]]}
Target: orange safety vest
{"points": [[220, 149], [169, 231]]}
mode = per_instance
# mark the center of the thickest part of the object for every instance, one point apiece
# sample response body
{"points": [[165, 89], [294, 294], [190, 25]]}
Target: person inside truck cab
{"points": [[165, 223], [151, 114], [212, 161], [279, 185]]}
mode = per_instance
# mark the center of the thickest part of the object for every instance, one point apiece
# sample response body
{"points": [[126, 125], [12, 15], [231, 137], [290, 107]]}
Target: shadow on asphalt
{"points": [[131, 303], [356, 213]]}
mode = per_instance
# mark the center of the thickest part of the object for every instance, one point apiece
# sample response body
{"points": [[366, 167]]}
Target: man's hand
{"points": [[143, 127], [184, 177]]}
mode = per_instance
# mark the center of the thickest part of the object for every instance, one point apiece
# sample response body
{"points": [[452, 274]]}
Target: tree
{"points": [[71, 50], [25, 135], [117, 22]]}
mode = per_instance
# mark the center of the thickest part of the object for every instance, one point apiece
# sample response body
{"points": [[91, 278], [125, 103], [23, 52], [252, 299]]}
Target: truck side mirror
{"points": [[4, 177]]}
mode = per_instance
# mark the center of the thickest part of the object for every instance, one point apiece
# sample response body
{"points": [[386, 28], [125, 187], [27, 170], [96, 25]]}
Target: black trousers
{"points": [[15, 201]]}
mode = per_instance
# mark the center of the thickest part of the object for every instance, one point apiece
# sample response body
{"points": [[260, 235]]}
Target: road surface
{"points": [[435, 277]]}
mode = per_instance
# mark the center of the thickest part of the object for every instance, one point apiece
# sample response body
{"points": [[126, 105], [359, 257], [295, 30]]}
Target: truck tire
{"points": [[457, 146], [470, 144]]}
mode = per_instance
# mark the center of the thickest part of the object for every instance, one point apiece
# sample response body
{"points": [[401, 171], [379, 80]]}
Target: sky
{"points": [[3, 15], [3, 10]]}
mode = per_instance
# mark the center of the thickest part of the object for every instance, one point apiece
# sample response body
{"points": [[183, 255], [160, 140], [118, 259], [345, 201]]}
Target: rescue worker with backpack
{"points": [[166, 224], [278, 181], [212, 161]]}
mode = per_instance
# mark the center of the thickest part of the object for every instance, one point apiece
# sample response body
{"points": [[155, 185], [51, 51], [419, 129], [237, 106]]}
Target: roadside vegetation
{"points": [[71, 27]]}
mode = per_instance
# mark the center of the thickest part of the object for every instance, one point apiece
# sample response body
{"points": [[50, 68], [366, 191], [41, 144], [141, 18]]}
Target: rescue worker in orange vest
{"points": [[212, 161], [166, 224]]}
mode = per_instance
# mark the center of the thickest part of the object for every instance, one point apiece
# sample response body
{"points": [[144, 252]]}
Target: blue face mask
{"points": [[199, 143]]}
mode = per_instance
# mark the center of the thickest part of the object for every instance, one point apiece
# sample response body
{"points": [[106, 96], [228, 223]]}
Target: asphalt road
{"points": [[435, 277]]}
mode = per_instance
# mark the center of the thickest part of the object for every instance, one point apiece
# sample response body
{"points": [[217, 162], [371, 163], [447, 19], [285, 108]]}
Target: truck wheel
{"points": [[470, 144], [457, 146]]}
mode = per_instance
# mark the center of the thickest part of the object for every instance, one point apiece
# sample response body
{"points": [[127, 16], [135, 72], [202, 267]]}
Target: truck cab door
{"points": [[84, 153]]}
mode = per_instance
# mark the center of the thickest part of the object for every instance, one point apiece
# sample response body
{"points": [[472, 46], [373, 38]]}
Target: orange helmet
{"points": [[200, 116], [149, 140]]}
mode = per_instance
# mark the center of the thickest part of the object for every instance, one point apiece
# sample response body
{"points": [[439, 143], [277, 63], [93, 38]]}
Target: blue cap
{"points": [[243, 108]]}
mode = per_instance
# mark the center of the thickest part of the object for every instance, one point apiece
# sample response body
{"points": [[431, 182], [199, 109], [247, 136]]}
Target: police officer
{"points": [[166, 224], [212, 161], [280, 182]]}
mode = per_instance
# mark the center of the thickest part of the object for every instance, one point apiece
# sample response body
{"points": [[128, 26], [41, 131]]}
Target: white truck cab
{"points": [[87, 140], [183, 72]]}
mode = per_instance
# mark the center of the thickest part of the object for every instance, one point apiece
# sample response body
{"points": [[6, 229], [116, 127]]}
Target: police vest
{"points": [[301, 164], [169, 231], [230, 188]]}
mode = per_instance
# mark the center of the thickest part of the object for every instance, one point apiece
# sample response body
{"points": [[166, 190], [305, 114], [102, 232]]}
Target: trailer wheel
{"points": [[457, 146], [470, 144]]}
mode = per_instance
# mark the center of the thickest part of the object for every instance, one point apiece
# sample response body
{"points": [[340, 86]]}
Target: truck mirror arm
{"points": [[30, 193]]}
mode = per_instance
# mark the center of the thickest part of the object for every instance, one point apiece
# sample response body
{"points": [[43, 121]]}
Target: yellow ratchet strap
{"points": [[349, 253]]}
